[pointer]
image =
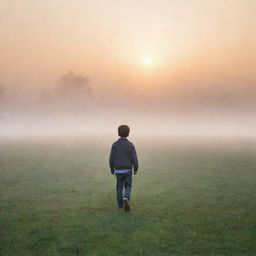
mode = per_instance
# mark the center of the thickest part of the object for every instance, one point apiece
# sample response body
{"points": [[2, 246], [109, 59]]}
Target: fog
{"points": [[76, 68], [72, 107]]}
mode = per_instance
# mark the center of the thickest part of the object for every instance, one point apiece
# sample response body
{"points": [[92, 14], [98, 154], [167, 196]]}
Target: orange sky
{"points": [[191, 42], [202, 77]]}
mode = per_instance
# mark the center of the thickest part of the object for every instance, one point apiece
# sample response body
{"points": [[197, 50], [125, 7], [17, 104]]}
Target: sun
{"points": [[147, 60]]}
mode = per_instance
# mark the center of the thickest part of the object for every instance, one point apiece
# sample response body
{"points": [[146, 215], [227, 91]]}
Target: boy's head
{"points": [[123, 131]]}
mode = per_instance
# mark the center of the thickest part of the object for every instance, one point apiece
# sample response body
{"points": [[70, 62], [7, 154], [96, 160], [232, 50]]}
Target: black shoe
{"points": [[126, 205]]}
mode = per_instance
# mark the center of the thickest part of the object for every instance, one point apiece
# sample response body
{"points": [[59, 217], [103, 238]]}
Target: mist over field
{"points": [[76, 108], [181, 74]]}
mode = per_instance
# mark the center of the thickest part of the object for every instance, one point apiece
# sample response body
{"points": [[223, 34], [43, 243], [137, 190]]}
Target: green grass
{"points": [[58, 198]]}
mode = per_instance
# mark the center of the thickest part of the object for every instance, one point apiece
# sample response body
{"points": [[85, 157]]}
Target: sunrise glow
{"points": [[147, 60]]}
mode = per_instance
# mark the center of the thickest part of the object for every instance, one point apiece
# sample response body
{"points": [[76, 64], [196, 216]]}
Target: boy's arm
{"points": [[111, 160], [135, 160]]}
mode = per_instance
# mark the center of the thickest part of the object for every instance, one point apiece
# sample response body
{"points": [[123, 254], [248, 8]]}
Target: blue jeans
{"points": [[123, 180]]}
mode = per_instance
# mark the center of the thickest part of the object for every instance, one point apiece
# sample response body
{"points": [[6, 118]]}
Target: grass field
{"points": [[189, 198]]}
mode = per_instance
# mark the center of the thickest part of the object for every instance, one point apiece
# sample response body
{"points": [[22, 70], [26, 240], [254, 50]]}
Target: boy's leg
{"points": [[119, 189], [128, 185]]}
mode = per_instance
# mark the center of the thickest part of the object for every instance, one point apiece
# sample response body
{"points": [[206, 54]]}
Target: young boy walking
{"points": [[122, 160]]}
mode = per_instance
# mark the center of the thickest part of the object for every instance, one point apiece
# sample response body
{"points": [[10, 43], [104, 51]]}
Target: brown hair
{"points": [[123, 130]]}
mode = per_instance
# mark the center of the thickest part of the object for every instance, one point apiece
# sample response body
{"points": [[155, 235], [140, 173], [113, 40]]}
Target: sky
{"points": [[202, 73]]}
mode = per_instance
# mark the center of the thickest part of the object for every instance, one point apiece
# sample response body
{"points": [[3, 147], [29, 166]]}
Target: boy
{"points": [[122, 160]]}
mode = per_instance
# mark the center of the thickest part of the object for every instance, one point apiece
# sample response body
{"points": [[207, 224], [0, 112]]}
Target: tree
{"points": [[73, 85]]}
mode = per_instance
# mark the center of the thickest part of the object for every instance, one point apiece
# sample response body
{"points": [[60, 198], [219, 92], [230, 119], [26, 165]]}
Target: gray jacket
{"points": [[123, 156]]}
